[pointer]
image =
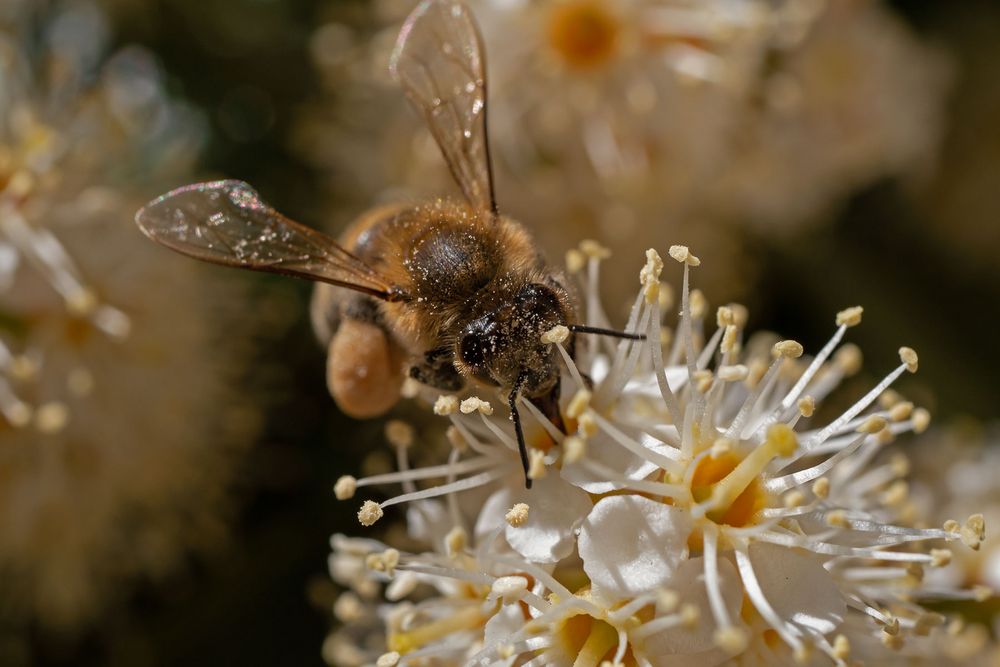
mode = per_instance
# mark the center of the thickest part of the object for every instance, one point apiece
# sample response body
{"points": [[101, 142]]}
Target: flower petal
{"points": [[697, 642], [556, 509], [781, 572], [632, 545]]}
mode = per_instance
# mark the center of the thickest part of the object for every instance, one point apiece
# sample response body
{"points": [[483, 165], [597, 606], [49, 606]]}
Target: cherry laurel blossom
{"points": [[698, 511]]}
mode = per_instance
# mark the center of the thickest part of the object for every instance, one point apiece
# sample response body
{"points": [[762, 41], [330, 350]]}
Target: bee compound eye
{"points": [[473, 349]]}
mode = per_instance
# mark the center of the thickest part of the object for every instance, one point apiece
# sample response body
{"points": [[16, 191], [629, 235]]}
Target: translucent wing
{"points": [[439, 62], [226, 222]]}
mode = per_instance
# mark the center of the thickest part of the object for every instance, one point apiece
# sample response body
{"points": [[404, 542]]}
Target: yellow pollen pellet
{"points": [[579, 403], [557, 334], [517, 515], [850, 317], [345, 487], [909, 357], [536, 466], [724, 317], [682, 254], [474, 403], [399, 433], [574, 449], [921, 420], [951, 526], [445, 405], [821, 487], [807, 406], [390, 659], [982, 593], [789, 349], [369, 513]]}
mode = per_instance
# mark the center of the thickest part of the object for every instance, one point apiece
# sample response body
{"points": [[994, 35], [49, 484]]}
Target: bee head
{"points": [[502, 345]]}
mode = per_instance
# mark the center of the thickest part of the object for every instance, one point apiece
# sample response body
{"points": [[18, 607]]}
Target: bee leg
{"points": [[437, 370]]}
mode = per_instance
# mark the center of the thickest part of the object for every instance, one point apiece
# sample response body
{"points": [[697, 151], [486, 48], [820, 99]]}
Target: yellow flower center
{"points": [[584, 33]]}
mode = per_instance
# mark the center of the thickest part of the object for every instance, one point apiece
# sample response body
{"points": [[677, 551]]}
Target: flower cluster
{"points": [[116, 413], [698, 511], [704, 117]]}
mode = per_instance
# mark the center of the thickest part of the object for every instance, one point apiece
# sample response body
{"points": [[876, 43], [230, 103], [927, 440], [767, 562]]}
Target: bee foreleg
{"points": [[437, 369]]}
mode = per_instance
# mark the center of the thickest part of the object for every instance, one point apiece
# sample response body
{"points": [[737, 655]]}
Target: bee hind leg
{"points": [[437, 370]]}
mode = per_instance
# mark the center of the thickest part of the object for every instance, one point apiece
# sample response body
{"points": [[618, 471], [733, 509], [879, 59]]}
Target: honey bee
{"points": [[448, 291]]}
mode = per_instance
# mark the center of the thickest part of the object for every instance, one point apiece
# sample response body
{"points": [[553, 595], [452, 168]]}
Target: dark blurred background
{"points": [[259, 600]]}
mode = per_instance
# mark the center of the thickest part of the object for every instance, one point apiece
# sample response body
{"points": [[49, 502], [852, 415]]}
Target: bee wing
{"points": [[226, 222], [439, 61]]}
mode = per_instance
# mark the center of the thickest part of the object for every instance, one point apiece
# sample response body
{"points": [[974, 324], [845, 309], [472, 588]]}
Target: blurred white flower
{"points": [[118, 415], [686, 121], [695, 513]]}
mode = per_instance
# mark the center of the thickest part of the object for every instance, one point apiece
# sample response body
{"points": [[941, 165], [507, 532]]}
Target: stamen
{"points": [[781, 441]]}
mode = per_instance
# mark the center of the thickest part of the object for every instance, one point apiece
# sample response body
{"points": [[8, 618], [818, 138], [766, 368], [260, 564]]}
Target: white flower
{"points": [[118, 420], [694, 114], [692, 474]]}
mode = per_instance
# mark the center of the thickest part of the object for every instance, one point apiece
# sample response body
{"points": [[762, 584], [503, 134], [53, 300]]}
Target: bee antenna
{"points": [[581, 328], [516, 418]]}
